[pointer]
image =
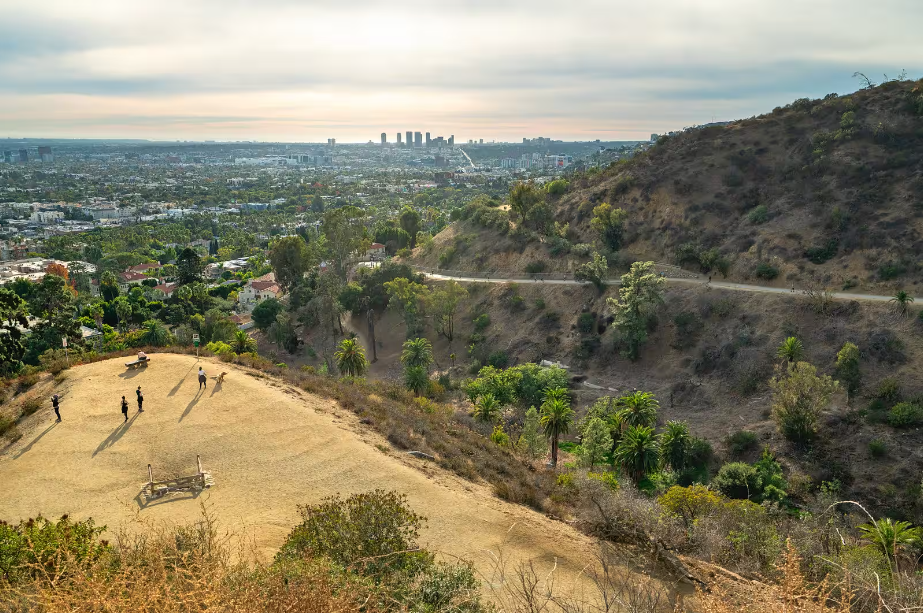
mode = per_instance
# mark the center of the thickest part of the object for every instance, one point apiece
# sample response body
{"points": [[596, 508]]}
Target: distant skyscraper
{"points": [[409, 135], [384, 138], [8, 157], [398, 139], [429, 141], [23, 156], [45, 154], [452, 141], [332, 142], [417, 139], [481, 142]]}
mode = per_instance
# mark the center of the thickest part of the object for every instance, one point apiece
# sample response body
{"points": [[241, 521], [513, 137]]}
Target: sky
{"points": [[309, 70]]}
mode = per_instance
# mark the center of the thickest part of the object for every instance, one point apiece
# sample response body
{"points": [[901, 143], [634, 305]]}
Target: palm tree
{"points": [[417, 352], [791, 350], [487, 409], [902, 299], [122, 311], [638, 452], [674, 444], [350, 358], [557, 417], [556, 393], [243, 343], [637, 409], [96, 311], [155, 334], [416, 379], [889, 536]]}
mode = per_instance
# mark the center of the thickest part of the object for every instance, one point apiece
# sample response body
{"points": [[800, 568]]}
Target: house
{"points": [[128, 278], [255, 291], [376, 251], [143, 268], [244, 321], [166, 288]]}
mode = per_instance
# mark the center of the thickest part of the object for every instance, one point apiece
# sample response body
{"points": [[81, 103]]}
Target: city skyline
{"points": [[291, 71]]}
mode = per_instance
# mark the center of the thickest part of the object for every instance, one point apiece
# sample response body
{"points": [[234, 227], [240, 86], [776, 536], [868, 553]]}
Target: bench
{"points": [[138, 363]]}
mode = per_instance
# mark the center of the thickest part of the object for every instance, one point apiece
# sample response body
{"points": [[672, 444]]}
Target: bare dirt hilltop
{"points": [[269, 448]]}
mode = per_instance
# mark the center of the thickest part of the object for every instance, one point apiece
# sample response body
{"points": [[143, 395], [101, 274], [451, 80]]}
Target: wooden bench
{"points": [[138, 363]]}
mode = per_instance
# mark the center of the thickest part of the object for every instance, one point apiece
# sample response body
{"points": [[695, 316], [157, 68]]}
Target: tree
{"points": [[346, 237], [596, 443], [417, 352], [609, 223], [791, 350], [290, 259], [155, 333], [557, 418], [408, 299], [109, 286], [79, 277], [902, 300], [595, 271], [350, 358], [123, 311], [637, 409], [638, 452], [798, 398], [188, 267], [410, 223], [265, 313], [416, 379], [51, 297], [523, 196], [443, 303], [317, 204], [890, 537], [243, 343], [847, 368], [282, 333], [532, 441], [96, 311], [93, 253], [640, 293], [324, 309], [690, 503], [487, 409], [58, 269], [674, 445], [12, 321]]}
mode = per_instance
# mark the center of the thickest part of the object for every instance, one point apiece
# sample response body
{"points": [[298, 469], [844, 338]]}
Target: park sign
{"points": [[195, 340], [64, 342]]}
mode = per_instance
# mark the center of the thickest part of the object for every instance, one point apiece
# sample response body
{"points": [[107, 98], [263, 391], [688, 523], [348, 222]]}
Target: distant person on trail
{"points": [[54, 403], [202, 379], [793, 288], [125, 408], [709, 278], [140, 399]]}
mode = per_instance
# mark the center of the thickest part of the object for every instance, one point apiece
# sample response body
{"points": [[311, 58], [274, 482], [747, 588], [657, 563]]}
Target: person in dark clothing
{"points": [[140, 400], [54, 403], [202, 379], [125, 408]]}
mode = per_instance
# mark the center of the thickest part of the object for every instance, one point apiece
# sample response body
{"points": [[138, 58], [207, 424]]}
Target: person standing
{"points": [[54, 403], [125, 408], [140, 400], [202, 379]]}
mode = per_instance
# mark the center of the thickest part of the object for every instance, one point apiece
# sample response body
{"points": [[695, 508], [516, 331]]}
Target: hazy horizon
{"points": [[290, 71]]}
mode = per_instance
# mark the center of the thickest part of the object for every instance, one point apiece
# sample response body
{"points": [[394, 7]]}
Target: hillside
{"points": [[828, 192], [269, 447]]}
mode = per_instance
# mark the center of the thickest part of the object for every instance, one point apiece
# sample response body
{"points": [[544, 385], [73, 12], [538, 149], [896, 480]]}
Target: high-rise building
{"points": [[452, 141], [429, 141], [23, 156], [398, 139], [331, 142], [384, 139], [8, 157], [481, 142], [45, 154], [409, 135], [417, 139]]}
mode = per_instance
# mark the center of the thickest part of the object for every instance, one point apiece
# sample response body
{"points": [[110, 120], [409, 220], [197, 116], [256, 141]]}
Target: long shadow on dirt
{"points": [[116, 434]]}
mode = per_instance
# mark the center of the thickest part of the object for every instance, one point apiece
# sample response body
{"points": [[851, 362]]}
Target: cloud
{"points": [[501, 69]]}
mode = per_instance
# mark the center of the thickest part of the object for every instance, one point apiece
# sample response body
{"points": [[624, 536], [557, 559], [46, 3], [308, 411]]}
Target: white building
{"points": [[46, 216]]}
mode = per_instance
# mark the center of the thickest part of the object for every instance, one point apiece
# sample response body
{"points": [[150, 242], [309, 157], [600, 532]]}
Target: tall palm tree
{"points": [[902, 299], [791, 350], [155, 334], [418, 352], [674, 444], [557, 418], [243, 343], [637, 409], [350, 358], [487, 409], [556, 393], [889, 536], [638, 452], [122, 311]]}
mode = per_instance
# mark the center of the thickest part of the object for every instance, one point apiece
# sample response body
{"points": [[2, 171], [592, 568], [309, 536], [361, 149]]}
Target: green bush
{"points": [[30, 406], [888, 389], [737, 480], [446, 257], [481, 322], [759, 214], [819, 255], [35, 549], [905, 415], [540, 304], [535, 267], [6, 424], [586, 322], [556, 187], [741, 442], [891, 270], [878, 449], [498, 359], [26, 381], [767, 271]]}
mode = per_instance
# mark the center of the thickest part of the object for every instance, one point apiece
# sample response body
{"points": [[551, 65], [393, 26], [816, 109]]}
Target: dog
{"points": [[221, 377]]}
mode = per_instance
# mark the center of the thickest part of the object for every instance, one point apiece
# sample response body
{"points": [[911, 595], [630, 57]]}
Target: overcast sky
{"points": [[495, 69]]}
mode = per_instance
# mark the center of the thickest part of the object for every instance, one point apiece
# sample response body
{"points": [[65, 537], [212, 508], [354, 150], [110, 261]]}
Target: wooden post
{"points": [[198, 462], [150, 478]]}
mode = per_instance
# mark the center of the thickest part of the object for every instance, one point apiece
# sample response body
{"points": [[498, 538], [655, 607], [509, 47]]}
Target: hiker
{"points": [[125, 408], [140, 399], [709, 278], [793, 288], [54, 403], [202, 379]]}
